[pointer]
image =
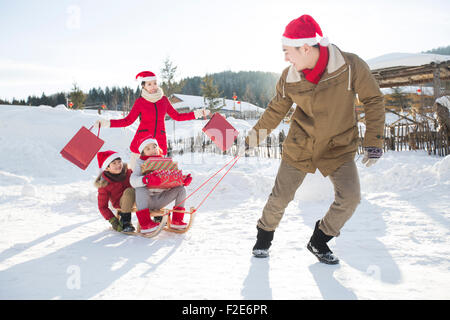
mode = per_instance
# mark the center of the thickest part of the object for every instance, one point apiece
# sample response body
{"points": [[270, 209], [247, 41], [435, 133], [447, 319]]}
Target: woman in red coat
{"points": [[152, 107]]}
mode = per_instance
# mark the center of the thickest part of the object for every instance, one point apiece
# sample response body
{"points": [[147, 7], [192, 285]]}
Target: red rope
{"points": [[204, 199], [235, 159]]}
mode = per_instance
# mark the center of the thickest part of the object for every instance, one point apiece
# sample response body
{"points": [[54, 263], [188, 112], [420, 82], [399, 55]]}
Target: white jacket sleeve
{"points": [[136, 176]]}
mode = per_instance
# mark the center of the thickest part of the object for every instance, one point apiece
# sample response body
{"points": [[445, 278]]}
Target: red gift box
{"points": [[169, 178], [220, 131], [82, 148], [158, 163]]}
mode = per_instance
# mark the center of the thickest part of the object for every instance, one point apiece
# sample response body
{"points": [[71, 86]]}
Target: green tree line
{"points": [[250, 86], [440, 50], [255, 87]]}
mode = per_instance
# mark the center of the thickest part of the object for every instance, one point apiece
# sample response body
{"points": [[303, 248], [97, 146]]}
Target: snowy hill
{"points": [[196, 102], [54, 243], [405, 59]]}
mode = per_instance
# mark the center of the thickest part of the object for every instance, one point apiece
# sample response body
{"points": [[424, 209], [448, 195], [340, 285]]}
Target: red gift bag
{"points": [[220, 131], [82, 148]]}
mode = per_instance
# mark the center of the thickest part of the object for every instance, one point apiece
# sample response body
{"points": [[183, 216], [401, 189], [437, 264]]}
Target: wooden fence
{"points": [[398, 137], [420, 136]]}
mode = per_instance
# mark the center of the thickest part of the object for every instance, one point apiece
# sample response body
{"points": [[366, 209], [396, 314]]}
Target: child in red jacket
{"points": [[114, 186], [152, 107], [150, 197]]}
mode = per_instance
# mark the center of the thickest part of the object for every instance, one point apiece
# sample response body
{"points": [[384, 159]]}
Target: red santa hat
{"points": [[145, 76], [302, 31], [146, 141], [105, 158]]}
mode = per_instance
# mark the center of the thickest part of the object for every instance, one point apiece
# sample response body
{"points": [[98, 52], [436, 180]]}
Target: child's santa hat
{"points": [[105, 158], [146, 141], [302, 31], [145, 76]]}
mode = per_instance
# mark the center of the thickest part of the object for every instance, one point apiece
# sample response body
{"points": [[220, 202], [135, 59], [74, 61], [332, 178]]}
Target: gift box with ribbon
{"points": [[166, 169], [169, 178], [158, 163]]}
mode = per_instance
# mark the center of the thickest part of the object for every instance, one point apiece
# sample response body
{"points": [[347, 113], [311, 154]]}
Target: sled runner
{"points": [[191, 212], [164, 224], [161, 213]]}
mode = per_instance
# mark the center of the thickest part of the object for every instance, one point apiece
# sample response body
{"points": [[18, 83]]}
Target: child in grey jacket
{"points": [[150, 197]]}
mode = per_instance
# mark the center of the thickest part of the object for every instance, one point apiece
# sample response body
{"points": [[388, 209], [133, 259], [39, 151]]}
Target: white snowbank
{"points": [[56, 245]]}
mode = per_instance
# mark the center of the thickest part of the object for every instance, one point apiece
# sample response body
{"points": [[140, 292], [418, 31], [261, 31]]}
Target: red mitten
{"points": [[187, 180], [151, 180]]}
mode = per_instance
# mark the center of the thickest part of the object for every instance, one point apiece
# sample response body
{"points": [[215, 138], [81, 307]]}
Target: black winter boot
{"points": [[263, 243], [125, 220], [318, 246]]}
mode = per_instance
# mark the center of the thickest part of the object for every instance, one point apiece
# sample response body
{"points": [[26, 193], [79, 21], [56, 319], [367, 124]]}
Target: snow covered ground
{"points": [[54, 243]]}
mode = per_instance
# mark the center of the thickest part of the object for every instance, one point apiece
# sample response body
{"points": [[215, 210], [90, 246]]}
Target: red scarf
{"points": [[314, 75]]}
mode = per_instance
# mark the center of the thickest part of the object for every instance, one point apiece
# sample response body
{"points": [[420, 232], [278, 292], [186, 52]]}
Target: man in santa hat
{"points": [[322, 81]]}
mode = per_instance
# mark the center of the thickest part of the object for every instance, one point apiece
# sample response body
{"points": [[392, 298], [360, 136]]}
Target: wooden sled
{"points": [[164, 224], [191, 212], [164, 213]]}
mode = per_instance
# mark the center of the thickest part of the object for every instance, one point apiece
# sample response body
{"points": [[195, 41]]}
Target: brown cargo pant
{"points": [[127, 200], [346, 190]]}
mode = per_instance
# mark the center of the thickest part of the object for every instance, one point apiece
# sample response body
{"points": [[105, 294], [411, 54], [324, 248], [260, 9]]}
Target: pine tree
{"points": [[399, 99], [169, 85], [77, 97], [248, 95], [60, 98], [211, 94]]}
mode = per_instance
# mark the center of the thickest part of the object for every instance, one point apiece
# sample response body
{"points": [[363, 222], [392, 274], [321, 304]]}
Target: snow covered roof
{"points": [[429, 91], [405, 60], [196, 102]]}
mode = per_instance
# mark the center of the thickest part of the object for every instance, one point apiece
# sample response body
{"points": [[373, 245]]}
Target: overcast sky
{"points": [[47, 45]]}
